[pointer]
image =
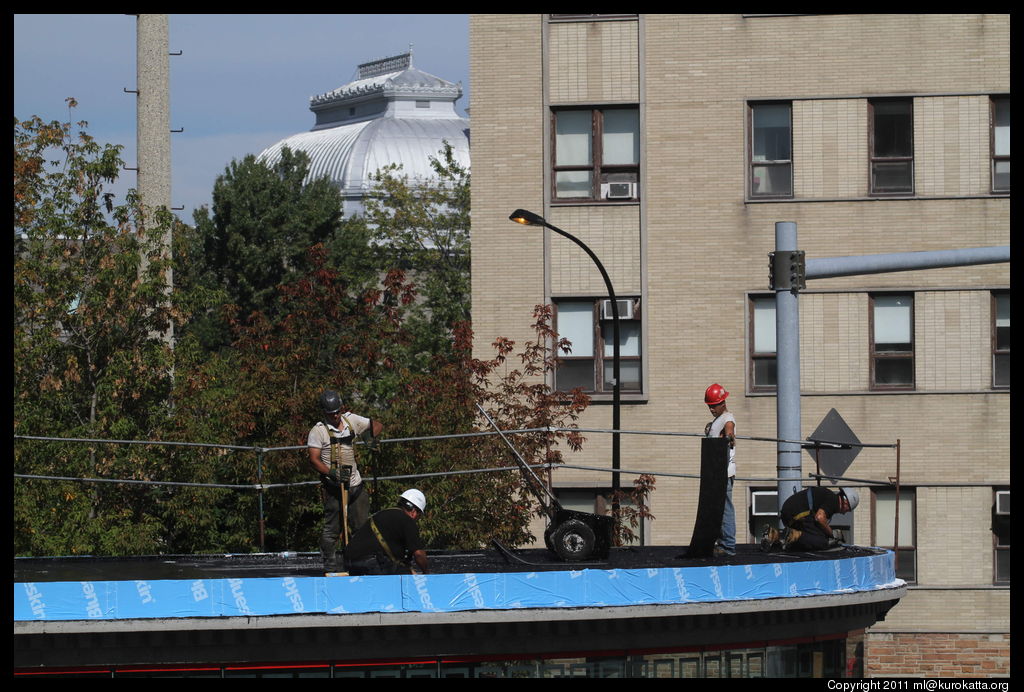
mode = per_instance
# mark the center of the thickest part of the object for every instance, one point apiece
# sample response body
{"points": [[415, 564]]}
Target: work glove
{"points": [[332, 478], [339, 475]]}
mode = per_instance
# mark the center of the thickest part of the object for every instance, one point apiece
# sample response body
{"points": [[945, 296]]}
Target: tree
{"points": [[264, 219], [469, 510], [423, 227], [89, 358]]}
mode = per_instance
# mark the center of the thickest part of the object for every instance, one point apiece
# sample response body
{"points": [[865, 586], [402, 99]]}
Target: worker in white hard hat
{"points": [[389, 542], [805, 517]]}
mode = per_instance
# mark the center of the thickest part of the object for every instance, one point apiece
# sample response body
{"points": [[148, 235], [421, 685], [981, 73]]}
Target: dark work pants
{"points": [[358, 514], [812, 536]]}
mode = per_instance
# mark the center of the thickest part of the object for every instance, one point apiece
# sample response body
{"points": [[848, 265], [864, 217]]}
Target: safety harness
{"points": [[810, 506], [384, 544]]}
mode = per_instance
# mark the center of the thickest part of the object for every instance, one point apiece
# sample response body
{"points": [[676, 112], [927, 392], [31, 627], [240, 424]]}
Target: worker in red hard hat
{"points": [[724, 425]]}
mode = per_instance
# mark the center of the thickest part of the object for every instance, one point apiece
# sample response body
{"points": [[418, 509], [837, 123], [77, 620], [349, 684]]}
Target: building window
{"points": [[892, 146], [885, 529], [763, 362], [1001, 340], [1001, 536], [892, 341], [587, 324], [771, 146], [597, 154], [1000, 145]]}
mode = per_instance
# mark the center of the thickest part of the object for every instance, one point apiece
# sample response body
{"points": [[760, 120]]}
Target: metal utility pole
{"points": [[788, 274], [787, 280]]}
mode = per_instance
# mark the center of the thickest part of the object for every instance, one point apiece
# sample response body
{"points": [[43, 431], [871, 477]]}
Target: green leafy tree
{"points": [[264, 219], [90, 361], [469, 509], [263, 392], [423, 227]]}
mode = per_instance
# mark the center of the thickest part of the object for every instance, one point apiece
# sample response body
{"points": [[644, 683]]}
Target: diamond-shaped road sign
{"points": [[832, 461]]}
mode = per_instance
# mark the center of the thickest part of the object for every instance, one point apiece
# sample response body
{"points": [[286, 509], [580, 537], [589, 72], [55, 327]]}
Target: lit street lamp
{"points": [[528, 218]]}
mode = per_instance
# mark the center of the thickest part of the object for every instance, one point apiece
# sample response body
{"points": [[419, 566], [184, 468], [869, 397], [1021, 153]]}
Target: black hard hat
{"points": [[330, 402]]}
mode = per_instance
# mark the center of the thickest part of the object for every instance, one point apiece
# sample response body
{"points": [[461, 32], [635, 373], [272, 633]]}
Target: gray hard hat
{"points": [[851, 496], [330, 401]]}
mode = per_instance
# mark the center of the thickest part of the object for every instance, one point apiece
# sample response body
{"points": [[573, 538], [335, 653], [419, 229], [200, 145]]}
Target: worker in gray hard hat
{"points": [[805, 519], [390, 541], [331, 454]]}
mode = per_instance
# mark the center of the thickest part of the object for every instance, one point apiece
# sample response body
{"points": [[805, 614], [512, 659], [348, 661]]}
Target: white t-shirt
{"points": [[320, 434], [715, 428]]}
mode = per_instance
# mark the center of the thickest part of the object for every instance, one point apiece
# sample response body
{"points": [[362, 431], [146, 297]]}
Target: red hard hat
{"points": [[715, 394]]}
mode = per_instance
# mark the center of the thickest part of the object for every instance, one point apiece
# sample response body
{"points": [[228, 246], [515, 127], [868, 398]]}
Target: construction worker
{"points": [[805, 519], [390, 540], [331, 455], [724, 425]]}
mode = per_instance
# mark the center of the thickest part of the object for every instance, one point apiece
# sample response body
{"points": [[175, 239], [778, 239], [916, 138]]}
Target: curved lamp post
{"points": [[528, 218]]}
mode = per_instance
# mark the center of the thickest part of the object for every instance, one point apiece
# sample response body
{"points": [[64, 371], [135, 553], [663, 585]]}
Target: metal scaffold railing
{"points": [[261, 452]]}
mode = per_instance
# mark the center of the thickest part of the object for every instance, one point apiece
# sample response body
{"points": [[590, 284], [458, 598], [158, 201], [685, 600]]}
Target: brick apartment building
{"points": [[671, 145]]}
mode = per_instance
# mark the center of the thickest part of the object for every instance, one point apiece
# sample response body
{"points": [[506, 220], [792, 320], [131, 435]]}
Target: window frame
{"points": [[779, 163], [904, 548], [997, 546], [874, 355], [754, 355], [997, 350], [757, 520], [994, 101], [875, 160], [599, 359], [596, 167]]}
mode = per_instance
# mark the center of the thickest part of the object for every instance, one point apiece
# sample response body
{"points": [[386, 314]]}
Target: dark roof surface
{"points": [[88, 568]]}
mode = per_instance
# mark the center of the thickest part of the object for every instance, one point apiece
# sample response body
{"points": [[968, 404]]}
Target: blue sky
{"points": [[241, 83]]}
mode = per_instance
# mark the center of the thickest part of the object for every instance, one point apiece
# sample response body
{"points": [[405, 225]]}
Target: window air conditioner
{"points": [[625, 309], [764, 503], [618, 190]]}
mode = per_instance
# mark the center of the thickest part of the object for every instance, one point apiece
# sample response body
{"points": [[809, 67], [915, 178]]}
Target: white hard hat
{"points": [[415, 498]]}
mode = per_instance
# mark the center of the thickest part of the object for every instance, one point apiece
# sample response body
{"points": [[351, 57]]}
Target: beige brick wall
{"points": [[507, 269], [830, 148], [612, 233], [593, 62], [951, 145], [703, 247], [953, 340], [834, 342]]}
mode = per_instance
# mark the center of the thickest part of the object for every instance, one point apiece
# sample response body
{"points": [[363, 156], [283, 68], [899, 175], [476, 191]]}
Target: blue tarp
{"points": [[115, 600]]}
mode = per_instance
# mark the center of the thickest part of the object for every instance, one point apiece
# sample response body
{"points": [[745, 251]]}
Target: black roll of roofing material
{"points": [[711, 502]]}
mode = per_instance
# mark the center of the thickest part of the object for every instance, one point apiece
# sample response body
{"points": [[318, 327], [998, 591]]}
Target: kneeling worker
{"points": [[390, 540], [806, 516]]}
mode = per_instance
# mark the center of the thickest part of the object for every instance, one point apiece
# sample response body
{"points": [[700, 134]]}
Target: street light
{"points": [[528, 218]]}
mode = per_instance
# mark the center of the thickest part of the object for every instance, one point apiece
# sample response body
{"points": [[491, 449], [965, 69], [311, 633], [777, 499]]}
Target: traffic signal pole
{"points": [[788, 272]]}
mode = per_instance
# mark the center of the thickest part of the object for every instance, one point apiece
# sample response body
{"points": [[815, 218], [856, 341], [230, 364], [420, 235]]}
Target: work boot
{"points": [[770, 539], [790, 538]]}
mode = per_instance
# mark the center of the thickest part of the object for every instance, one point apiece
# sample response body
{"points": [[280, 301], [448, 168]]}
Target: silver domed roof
{"points": [[392, 113]]}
